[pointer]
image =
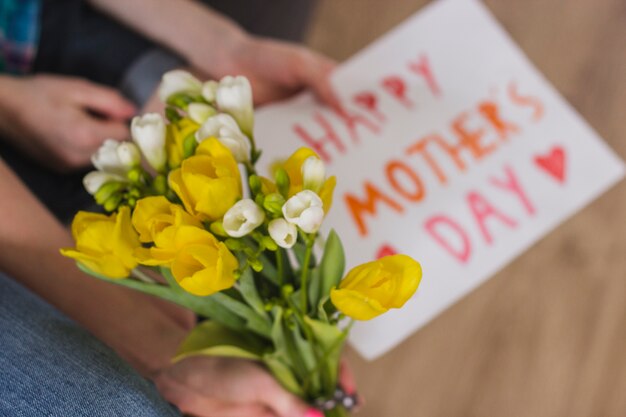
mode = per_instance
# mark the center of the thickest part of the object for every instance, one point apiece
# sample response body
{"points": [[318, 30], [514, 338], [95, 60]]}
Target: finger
{"points": [[103, 100], [192, 403], [346, 378], [285, 404], [105, 129], [315, 74]]}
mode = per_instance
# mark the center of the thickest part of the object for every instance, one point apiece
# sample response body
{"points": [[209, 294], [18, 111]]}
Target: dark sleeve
{"points": [[77, 40]]}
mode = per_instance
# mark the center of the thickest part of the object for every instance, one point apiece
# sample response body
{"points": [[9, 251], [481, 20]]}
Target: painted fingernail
{"points": [[313, 412]]}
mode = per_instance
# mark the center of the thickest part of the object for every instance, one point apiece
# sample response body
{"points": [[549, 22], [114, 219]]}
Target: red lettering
{"points": [[352, 121], [422, 68], [434, 227], [329, 137], [385, 250], [397, 88], [481, 210], [512, 184], [369, 102]]}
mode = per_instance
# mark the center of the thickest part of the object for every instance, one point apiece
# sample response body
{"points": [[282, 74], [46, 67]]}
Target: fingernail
{"points": [[313, 412]]}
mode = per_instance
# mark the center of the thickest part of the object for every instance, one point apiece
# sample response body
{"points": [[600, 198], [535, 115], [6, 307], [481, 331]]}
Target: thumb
{"points": [[284, 404]]}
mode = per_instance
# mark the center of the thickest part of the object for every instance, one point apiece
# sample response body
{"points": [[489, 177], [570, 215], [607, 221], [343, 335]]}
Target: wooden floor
{"points": [[547, 335]]}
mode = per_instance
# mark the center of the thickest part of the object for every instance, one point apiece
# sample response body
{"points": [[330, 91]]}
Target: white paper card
{"points": [[454, 150]]}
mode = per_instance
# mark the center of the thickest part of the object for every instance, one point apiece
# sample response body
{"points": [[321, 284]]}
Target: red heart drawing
{"points": [[386, 250], [553, 163]]}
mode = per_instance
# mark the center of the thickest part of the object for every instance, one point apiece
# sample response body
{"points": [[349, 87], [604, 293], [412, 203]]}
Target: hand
{"points": [[276, 69], [61, 121], [223, 387]]}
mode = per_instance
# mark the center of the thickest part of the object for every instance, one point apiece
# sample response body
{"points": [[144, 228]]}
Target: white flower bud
{"points": [[116, 157], [209, 90], [128, 154], [283, 233], [200, 112], [96, 179], [242, 218], [178, 81], [234, 96], [148, 132], [305, 210], [225, 129], [313, 174]]}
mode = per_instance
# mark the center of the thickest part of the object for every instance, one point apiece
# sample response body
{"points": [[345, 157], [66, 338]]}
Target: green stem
{"points": [[280, 267], [305, 275], [142, 276]]}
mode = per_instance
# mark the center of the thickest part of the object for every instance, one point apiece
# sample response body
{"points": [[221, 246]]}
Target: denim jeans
{"points": [[49, 366]]}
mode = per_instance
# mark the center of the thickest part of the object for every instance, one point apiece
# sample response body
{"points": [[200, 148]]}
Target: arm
{"points": [[144, 331], [139, 328], [217, 47]]}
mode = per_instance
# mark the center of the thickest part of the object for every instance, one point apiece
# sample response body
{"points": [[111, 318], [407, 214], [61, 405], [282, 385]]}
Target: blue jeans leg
{"points": [[49, 366]]}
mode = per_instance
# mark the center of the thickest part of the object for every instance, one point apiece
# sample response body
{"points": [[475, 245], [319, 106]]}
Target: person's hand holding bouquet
{"points": [[194, 223]]}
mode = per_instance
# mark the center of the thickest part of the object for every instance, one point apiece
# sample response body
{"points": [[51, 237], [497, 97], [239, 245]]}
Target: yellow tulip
{"points": [[177, 132], [204, 269], [293, 166], [371, 289], [170, 241], [200, 263], [154, 214], [104, 244], [208, 183]]}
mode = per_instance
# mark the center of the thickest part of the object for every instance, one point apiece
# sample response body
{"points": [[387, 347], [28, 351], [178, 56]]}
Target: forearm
{"points": [[8, 96], [131, 323], [181, 25]]}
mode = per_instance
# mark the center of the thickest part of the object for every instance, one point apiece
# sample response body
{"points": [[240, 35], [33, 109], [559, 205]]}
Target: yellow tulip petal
{"points": [[355, 305]]}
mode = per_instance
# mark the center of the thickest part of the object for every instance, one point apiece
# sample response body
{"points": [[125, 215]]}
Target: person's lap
{"points": [[49, 366]]}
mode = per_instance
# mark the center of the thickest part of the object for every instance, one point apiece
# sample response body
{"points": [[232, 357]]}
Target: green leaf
{"points": [[330, 338], [332, 264], [254, 322], [283, 374], [269, 270], [212, 339], [249, 292], [306, 352], [329, 272]]}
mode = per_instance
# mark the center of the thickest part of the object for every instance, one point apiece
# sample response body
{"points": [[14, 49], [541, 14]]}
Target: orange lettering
{"points": [[359, 208]]}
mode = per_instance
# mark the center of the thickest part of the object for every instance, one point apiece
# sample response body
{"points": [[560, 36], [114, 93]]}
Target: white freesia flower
{"points": [[225, 129], [242, 218], [209, 90], [283, 233], [313, 174], [116, 157], [96, 179], [148, 131], [200, 112], [305, 210], [234, 96], [178, 81], [129, 154]]}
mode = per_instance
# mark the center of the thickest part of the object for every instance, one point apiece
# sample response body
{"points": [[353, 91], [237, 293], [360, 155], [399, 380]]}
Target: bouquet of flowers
{"points": [[191, 221]]}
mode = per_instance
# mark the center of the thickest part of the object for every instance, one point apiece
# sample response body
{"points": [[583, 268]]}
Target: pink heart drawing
{"points": [[553, 163]]}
